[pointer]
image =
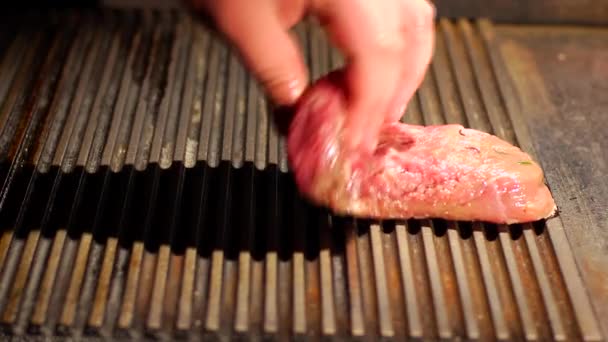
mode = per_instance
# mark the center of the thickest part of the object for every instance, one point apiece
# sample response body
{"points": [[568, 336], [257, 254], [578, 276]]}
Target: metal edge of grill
{"points": [[146, 193]]}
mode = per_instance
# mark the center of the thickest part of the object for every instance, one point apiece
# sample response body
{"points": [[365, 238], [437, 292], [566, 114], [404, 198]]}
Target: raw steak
{"points": [[443, 171]]}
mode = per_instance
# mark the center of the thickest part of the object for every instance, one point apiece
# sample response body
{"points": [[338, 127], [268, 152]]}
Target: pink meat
{"points": [[442, 171]]}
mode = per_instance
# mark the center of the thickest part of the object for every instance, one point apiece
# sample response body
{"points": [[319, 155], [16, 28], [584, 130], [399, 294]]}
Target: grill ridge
{"points": [[146, 193]]}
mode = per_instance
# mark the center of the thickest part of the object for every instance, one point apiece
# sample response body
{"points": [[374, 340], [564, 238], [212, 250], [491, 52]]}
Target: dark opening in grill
{"points": [[145, 192]]}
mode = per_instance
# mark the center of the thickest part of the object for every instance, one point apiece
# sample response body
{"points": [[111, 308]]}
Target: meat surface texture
{"points": [[444, 171]]}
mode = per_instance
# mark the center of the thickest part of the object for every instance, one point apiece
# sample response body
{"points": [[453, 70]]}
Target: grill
{"points": [[146, 194]]}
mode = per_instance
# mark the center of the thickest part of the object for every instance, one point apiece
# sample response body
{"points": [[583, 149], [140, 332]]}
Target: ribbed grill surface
{"points": [[145, 192]]}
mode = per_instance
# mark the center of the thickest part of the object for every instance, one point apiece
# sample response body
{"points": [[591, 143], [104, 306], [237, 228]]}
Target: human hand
{"points": [[388, 45]]}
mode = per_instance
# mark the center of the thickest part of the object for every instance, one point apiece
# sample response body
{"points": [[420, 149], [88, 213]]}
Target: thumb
{"points": [[265, 46]]}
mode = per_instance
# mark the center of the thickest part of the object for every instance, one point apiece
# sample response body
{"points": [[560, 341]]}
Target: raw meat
{"points": [[444, 171]]}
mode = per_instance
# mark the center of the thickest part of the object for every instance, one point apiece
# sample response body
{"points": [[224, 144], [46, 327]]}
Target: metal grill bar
{"points": [[147, 194]]}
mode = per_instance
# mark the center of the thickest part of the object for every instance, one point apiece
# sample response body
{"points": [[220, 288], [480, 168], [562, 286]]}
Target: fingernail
{"points": [[284, 92], [295, 88]]}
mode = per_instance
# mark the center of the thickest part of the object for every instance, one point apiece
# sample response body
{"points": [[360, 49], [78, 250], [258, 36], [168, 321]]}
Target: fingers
{"points": [[418, 33], [371, 89], [369, 34], [263, 41], [388, 45]]}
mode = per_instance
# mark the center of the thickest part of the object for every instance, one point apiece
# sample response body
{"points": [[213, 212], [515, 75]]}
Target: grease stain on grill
{"points": [[146, 193]]}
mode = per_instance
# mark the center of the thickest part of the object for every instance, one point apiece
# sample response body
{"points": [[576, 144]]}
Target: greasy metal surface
{"points": [[147, 194], [563, 100], [594, 12]]}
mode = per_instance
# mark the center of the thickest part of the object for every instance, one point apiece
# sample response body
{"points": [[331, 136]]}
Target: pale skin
{"points": [[388, 45]]}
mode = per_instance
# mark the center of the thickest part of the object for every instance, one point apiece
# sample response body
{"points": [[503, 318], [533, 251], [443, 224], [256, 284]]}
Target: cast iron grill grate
{"points": [[145, 192]]}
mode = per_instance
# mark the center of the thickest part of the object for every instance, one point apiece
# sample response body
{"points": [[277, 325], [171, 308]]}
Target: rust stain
{"points": [[128, 304], [69, 311], [48, 281], [144, 288], [5, 241], [157, 305], [19, 283], [103, 287], [172, 291], [184, 315]]}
